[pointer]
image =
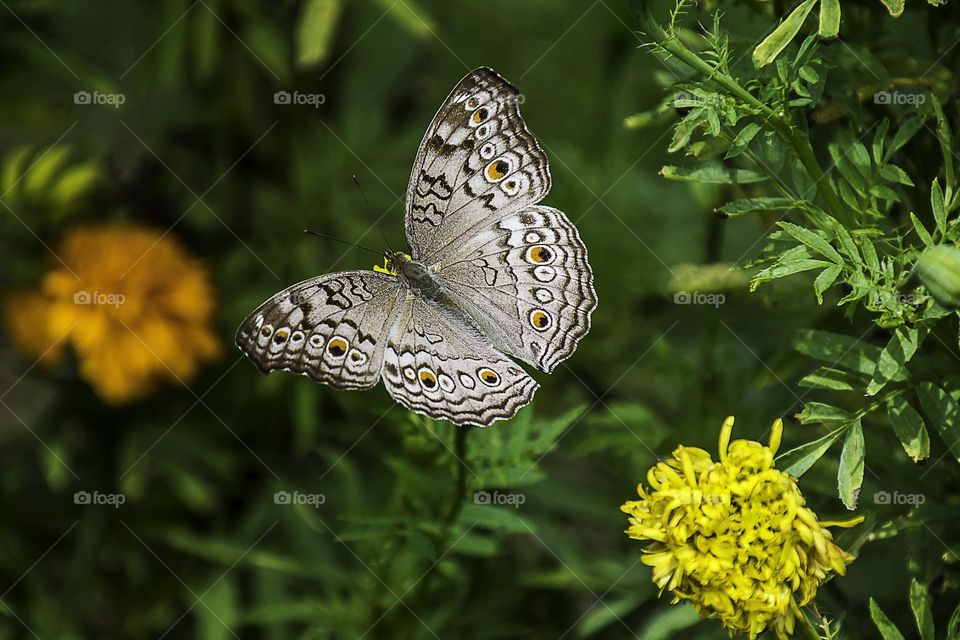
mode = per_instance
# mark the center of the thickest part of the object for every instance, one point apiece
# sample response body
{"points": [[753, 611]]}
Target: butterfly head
{"points": [[393, 263]]}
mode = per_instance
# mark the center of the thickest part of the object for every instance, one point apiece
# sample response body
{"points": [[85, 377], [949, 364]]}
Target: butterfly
{"points": [[491, 274]]}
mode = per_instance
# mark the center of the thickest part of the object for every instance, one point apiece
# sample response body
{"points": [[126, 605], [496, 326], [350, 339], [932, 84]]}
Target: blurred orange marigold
{"points": [[134, 305]]}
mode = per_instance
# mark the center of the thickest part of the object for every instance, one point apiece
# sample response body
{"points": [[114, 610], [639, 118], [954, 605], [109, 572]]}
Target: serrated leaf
{"points": [[904, 134], [908, 425], [894, 358], [756, 205], [315, 28], [812, 240], [838, 350], [850, 472], [936, 204], [922, 232], [743, 139], [942, 409], [784, 269], [798, 461], [768, 50], [825, 280], [820, 413], [893, 173], [887, 629], [829, 18], [832, 379], [712, 174], [921, 603]]}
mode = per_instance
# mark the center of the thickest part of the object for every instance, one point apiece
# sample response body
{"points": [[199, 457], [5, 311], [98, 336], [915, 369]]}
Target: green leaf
{"points": [[908, 425], [832, 379], [904, 134], [936, 203], [409, 16], [945, 138], [812, 240], [315, 29], [921, 603], [742, 140], [942, 409], [922, 232], [820, 413], [829, 18], [825, 280], [797, 461], [887, 629], [768, 50], [756, 205], [784, 269], [953, 627], [893, 173], [894, 358], [837, 349], [712, 173], [850, 473]]}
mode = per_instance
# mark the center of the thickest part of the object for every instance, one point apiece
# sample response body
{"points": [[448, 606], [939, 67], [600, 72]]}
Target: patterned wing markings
{"points": [[328, 328], [477, 162], [527, 283], [437, 363]]}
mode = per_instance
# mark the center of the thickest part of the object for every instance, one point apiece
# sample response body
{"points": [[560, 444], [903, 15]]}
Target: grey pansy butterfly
{"points": [[491, 274]]}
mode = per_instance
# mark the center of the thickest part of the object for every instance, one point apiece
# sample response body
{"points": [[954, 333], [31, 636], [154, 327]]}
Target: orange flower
{"points": [[133, 304]]}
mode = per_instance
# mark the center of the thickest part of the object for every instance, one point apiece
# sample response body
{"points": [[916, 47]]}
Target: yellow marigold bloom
{"points": [[133, 304], [734, 537]]}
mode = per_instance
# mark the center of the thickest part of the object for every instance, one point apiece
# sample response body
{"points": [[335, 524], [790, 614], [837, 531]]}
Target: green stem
{"points": [[780, 122]]}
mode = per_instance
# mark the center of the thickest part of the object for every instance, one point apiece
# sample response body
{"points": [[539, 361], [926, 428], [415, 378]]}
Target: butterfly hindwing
{"points": [[526, 281], [477, 162], [331, 328], [438, 363]]}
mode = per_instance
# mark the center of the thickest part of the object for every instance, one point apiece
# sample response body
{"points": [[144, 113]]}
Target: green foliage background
{"points": [[400, 548]]}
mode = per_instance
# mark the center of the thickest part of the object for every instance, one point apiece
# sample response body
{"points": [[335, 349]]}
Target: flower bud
{"points": [[939, 271]]}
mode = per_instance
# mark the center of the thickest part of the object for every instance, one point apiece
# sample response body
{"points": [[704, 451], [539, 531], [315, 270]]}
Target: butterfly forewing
{"points": [[331, 328], [477, 162]]}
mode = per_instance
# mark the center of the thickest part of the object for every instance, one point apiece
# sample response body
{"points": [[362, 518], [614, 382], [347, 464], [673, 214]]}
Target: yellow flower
{"points": [[132, 303], [734, 537]]}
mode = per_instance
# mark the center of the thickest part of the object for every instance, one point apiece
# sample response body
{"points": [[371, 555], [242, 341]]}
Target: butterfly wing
{"points": [[437, 363], [526, 281], [331, 328], [477, 163]]}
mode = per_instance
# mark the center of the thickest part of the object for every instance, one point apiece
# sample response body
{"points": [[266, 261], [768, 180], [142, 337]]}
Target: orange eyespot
{"points": [[427, 379], [540, 320], [489, 377], [497, 170], [480, 115], [281, 336], [337, 347], [539, 254]]}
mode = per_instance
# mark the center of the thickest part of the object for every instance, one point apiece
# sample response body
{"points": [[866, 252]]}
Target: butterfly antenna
{"points": [[352, 244], [366, 202]]}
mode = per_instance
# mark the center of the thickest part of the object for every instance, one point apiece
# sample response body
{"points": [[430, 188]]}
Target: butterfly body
{"points": [[492, 274]]}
